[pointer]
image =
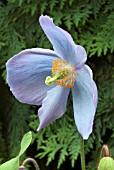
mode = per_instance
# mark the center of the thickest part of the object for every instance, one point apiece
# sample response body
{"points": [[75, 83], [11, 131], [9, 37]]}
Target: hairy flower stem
{"points": [[82, 154], [22, 167]]}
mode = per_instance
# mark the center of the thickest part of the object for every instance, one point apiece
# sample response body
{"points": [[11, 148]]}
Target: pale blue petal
{"points": [[26, 74], [53, 106], [63, 43], [84, 101], [95, 94]]}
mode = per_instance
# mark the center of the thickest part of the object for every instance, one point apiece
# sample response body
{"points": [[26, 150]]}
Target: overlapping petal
{"points": [[95, 92], [53, 105], [63, 43], [84, 101], [26, 73]]}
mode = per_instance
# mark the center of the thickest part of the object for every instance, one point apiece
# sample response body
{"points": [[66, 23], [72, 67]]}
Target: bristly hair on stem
{"points": [[27, 161], [82, 154]]}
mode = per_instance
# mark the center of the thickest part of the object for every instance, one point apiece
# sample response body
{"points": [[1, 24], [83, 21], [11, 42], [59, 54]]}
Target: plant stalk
{"points": [[22, 167], [82, 154]]}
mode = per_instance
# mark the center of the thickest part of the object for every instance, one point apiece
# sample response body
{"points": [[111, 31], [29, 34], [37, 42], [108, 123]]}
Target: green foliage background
{"points": [[91, 24]]}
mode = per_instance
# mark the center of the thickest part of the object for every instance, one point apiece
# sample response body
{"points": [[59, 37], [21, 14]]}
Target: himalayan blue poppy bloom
{"points": [[44, 77]]}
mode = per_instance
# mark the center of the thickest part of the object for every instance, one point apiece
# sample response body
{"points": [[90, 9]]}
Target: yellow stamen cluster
{"points": [[65, 73]]}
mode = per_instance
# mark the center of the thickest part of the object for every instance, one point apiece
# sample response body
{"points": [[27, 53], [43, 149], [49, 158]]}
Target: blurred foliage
{"points": [[90, 22], [13, 118]]}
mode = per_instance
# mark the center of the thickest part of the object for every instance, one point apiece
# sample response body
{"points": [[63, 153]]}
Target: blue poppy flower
{"points": [[44, 77]]}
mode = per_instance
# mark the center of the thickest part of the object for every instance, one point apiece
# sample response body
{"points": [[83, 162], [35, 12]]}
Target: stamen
{"points": [[64, 73]]}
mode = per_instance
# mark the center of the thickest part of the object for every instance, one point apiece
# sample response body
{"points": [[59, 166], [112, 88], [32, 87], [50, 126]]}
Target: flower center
{"points": [[62, 73]]}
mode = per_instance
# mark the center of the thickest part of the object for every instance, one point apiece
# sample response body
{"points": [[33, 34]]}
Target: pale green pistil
{"points": [[49, 80]]}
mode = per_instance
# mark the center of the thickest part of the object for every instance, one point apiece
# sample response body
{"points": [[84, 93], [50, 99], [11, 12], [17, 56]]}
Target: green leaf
{"points": [[13, 164], [26, 141]]}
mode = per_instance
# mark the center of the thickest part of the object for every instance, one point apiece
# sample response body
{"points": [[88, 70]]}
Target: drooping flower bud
{"points": [[22, 168], [106, 163]]}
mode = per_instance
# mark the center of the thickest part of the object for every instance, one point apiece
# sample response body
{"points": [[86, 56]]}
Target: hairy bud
{"points": [[106, 163]]}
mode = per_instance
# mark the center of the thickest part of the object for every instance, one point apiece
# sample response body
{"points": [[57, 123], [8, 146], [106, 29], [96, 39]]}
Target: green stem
{"points": [[82, 154]]}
